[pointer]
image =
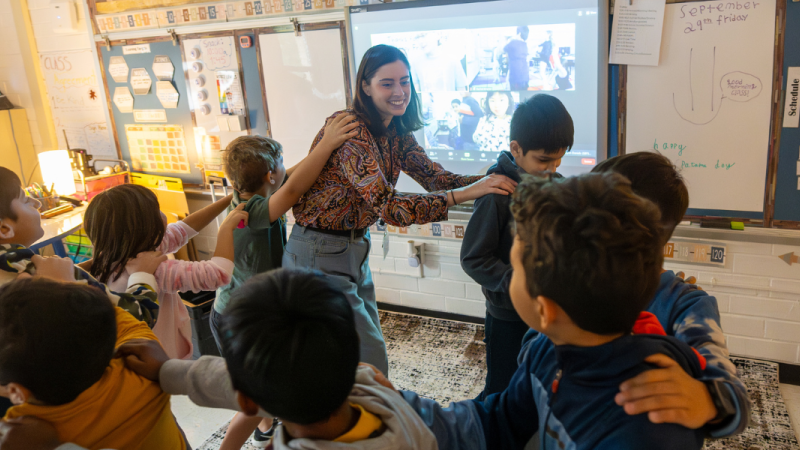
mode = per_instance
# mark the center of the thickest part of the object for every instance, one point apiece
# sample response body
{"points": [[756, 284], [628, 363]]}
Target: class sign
{"points": [[791, 115]]}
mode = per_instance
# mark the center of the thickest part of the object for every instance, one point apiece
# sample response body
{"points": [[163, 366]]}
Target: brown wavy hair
{"points": [[375, 58], [591, 245], [121, 223]]}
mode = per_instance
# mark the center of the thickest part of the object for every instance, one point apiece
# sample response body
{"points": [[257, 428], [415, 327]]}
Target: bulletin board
{"points": [[787, 171], [708, 105], [305, 78], [164, 133]]}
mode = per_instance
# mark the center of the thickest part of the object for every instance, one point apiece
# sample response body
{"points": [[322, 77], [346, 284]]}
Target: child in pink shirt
{"points": [[125, 220]]}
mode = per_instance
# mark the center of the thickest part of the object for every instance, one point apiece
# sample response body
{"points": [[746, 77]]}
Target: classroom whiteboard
{"points": [[304, 83], [77, 101], [707, 105]]}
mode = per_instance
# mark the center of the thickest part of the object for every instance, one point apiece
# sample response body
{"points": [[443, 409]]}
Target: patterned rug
{"points": [[446, 361]]}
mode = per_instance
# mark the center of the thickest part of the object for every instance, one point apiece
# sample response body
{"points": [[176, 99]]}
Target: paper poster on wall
{"points": [[77, 102], [140, 81], [229, 91], [157, 148], [215, 93], [636, 32], [118, 69]]}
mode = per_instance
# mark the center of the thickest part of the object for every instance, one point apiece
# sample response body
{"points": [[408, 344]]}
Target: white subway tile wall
{"points": [[758, 293]]}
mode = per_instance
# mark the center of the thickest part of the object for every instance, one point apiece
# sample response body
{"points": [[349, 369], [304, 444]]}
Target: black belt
{"points": [[345, 233]]}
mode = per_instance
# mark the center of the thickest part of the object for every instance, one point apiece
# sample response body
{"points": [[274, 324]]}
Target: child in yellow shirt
{"points": [[56, 346]]}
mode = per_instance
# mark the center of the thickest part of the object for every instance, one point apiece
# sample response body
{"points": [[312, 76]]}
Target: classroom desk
{"points": [[59, 227]]}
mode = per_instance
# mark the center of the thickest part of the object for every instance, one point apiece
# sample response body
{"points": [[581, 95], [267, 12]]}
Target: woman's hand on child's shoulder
{"points": [[143, 356], [234, 218], [337, 131], [147, 262]]}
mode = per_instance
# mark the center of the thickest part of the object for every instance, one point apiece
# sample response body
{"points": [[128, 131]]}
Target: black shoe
{"points": [[262, 438]]}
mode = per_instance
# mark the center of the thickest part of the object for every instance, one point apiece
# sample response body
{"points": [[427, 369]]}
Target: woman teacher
{"points": [[356, 189]]}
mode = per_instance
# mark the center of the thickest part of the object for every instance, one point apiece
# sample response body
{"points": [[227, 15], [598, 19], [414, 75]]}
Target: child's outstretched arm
{"points": [[183, 276], [206, 381], [225, 235], [302, 176], [200, 219]]}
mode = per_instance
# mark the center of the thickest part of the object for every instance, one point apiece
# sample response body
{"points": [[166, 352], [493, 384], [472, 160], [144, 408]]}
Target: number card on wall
{"points": [[157, 148], [704, 253]]}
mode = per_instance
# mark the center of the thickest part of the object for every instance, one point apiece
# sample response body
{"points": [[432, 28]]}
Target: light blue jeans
{"points": [[346, 260]]}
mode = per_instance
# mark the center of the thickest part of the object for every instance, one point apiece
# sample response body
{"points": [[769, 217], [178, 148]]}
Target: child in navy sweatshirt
{"points": [[718, 401], [541, 133], [586, 261]]}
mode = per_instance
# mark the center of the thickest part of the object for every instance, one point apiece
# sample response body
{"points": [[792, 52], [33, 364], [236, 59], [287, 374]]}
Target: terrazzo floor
{"points": [[444, 360]]}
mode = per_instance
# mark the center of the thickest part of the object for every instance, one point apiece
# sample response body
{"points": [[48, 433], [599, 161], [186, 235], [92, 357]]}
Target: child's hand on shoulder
{"points": [[143, 356], [380, 378], [53, 267], [147, 262], [28, 433], [237, 216], [337, 131]]}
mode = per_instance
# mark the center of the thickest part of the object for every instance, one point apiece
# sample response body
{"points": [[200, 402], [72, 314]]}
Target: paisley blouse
{"points": [[356, 186]]}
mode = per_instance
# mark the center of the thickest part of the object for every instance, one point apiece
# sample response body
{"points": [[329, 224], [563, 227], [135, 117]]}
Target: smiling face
{"points": [[498, 104], [536, 160], [390, 90], [26, 229]]}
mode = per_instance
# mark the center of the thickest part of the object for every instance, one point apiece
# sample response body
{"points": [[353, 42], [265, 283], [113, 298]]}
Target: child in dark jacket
{"points": [[586, 262], [541, 133], [718, 402]]}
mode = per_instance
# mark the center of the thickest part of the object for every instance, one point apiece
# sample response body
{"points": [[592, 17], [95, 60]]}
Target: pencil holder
{"points": [[48, 203]]}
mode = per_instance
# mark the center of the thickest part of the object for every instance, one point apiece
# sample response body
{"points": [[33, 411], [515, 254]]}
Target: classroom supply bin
{"points": [[199, 306]]}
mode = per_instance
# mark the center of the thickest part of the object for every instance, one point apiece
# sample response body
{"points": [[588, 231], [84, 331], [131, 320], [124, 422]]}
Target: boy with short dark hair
{"points": [[292, 349], [586, 261], [56, 346], [717, 401], [541, 133], [21, 227]]}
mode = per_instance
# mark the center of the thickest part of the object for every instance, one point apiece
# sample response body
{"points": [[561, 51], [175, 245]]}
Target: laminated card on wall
{"points": [[123, 99], [167, 94], [118, 69], [163, 68], [140, 81]]}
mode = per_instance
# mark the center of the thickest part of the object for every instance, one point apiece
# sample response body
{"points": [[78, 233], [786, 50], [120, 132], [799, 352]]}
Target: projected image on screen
{"points": [[528, 57], [532, 57], [476, 122], [472, 64]]}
